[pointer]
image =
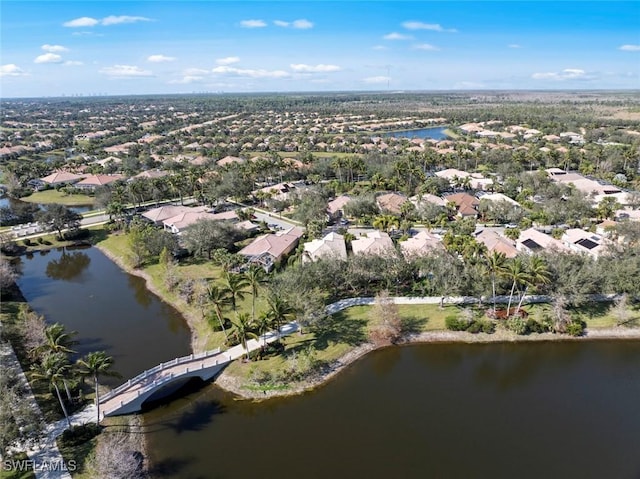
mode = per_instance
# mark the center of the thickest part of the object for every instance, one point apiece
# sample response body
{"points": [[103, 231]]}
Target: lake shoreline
{"points": [[237, 386], [189, 319]]}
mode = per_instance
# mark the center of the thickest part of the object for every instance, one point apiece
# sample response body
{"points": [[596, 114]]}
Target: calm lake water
{"points": [[545, 410], [436, 133], [4, 202], [110, 309]]}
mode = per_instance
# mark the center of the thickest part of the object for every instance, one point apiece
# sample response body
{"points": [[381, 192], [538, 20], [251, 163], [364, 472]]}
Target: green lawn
{"points": [[54, 196]]}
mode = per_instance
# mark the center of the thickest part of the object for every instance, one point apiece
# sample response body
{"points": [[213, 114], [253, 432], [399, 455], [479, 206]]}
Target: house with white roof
{"points": [[331, 246], [582, 241], [421, 244], [532, 241], [375, 242]]}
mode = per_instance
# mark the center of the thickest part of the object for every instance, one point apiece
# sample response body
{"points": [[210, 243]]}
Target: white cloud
{"points": [[73, 63], [378, 79], [253, 23], [116, 20], [302, 24], [54, 48], [125, 71], [195, 72], [81, 22], [514, 45], [227, 60], [629, 48], [435, 27], [250, 73], [379, 47], [320, 68], [12, 70], [426, 47], [187, 79], [397, 36], [566, 74], [48, 58], [280, 23], [160, 59], [106, 21]]}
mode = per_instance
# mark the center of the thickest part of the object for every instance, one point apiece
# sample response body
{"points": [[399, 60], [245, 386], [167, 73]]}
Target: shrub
{"points": [[517, 325], [454, 324], [79, 434], [576, 328], [534, 327], [488, 327], [474, 327]]}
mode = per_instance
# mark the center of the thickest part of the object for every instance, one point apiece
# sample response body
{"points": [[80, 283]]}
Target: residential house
{"points": [[582, 241], [335, 207], [228, 160], [266, 250], [58, 178], [376, 242], [391, 202], [467, 205], [179, 223], [419, 200], [421, 244], [161, 213], [92, 182], [533, 241], [279, 192], [331, 246], [496, 242]]}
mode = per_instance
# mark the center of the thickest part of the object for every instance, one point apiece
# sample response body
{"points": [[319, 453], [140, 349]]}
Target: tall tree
{"points": [[59, 217], [517, 273], [53, 369], [256, 278], [537, 274], [243, 328], [95, 364], [281, 311], [495, 264], [237, 286], [219, 298]]}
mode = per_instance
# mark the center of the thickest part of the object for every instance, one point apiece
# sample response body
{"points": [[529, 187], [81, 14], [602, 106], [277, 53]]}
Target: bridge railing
{"points": [[160, 367]]}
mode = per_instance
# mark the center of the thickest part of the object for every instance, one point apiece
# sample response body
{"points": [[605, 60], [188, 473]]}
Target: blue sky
{"points": [[51, 48]]}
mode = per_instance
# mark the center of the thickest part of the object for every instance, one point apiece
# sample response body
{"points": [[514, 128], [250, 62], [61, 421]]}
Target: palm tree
{"points": [[538, 274], [95, 364], [219, 298], [255, 278], [281, 311], [53, 368], [385, 222], [495, 264], [263, 324], [58, 341], [243, 328], [236, 286], [517, 273]]}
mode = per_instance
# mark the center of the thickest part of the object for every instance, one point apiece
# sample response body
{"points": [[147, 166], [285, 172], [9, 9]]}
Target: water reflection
{"points": [[69, 266]]}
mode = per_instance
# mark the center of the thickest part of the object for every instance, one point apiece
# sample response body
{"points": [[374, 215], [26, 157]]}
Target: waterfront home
{"points": [[92, 182], [532, 241], [375, 242], [179, 223], [423, 243], [58, 178], [161, 213], [331, 246], [267, 250]]}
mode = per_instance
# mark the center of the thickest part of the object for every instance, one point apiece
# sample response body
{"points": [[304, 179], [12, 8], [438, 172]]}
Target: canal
{"points": [[435, 133]]}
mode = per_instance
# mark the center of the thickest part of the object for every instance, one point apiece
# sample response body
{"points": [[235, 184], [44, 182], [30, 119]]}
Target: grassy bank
{"points": [[56, 196]]}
